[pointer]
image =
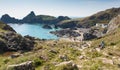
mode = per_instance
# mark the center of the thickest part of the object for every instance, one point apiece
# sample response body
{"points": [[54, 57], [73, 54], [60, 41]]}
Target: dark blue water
{"points": [[34, 30]]}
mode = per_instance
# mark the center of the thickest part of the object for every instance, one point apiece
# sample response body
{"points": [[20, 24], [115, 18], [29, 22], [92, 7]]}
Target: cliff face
{"points": [[100, 17], [114, 24]]}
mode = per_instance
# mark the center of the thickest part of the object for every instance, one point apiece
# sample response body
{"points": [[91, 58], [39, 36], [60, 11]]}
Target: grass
{"points": [[44, 58]]}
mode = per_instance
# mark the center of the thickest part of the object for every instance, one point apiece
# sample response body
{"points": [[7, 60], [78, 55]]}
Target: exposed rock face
{"points": [[11, 41], [7, 19], [8, 28], [114, 24], [47, 27], [88, 36], [65, 33], [23, 66]]}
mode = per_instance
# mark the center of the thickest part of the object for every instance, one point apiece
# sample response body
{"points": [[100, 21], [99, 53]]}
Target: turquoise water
{"points": [[34, 30]]}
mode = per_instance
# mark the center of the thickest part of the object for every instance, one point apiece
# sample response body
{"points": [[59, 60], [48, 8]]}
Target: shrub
{"points": [[112, 44], [6, 61], [37, 62]]}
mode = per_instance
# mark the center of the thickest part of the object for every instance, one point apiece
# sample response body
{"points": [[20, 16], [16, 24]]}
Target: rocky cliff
{"points": [[114, 24]]}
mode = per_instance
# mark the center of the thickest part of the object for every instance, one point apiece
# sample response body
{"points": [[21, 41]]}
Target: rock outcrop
{"points": [[67, 65], [47, 27], [23, 66], [114, 24], [11, 41], [66, 33]]}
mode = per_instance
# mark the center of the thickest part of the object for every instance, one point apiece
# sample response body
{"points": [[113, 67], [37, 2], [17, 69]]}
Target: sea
{"points": [[35, 30]]}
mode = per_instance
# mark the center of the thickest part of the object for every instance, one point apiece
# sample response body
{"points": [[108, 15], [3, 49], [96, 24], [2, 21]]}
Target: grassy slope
{"points": [[92, 60]]}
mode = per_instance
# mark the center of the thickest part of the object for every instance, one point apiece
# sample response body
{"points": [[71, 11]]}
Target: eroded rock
{"points": [[23, 66]]}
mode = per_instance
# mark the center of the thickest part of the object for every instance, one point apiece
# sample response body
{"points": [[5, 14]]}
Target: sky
{"points": [[72, 8]]}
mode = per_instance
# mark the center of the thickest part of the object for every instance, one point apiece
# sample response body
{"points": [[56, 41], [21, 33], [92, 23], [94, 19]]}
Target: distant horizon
{"points": [[71, 8]]}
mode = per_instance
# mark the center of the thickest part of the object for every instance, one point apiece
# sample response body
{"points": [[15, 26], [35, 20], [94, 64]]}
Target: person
{"points": [[102, 45]]}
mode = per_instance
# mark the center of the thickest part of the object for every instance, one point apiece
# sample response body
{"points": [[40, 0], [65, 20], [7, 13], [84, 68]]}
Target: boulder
{"points": [[47, 27], [67, 65], [107, 61], [63, 57], [88, 36], [15, 55], [23, 66]]}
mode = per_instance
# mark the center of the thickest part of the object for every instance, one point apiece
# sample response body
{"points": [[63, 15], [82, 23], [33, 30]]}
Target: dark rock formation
{"points": [[11, 41], [47, 27], [8, 28], [88, 36], [65, 33], [7, 19], [23, 66]]}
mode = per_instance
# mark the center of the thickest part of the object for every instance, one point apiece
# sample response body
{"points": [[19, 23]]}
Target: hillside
{"points": [[100, 17], [66, 55], [33, 18]]}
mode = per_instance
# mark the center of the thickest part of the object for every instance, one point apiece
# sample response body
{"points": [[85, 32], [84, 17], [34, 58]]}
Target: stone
{"points": [[64, 57], [107, 61], [69, 65], [23, 66], [47, 27], [15, 55], [81, 57]]}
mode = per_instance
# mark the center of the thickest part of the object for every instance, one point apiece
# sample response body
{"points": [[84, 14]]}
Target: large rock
{"points": [[66, 33], [88, 36], [10, 41], [47, 27], [23, 66], [67, 65], [114, 24]]}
